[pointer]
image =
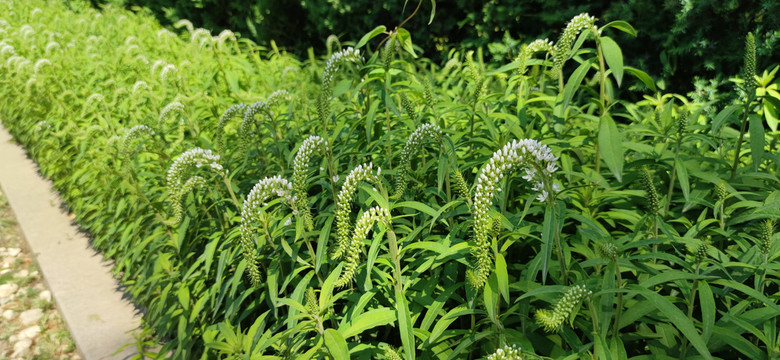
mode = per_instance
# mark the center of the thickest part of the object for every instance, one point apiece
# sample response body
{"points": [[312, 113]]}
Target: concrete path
{"points": [[99, 319]]}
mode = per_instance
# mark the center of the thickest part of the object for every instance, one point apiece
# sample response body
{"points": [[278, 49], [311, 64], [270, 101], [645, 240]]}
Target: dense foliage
{"points": [[677, 41], [378, 205]]}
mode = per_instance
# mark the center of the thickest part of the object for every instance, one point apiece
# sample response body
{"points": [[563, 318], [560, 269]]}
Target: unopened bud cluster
{"points": [[701, 252], [750, 63], [257, 108], [253, 205], [507, 353], [355, 246], [553, 320], [767, 232], [682, 123], [460, 185], [608, 250], [425, 131], [363, 172], [653, 199], [570, 33], [539, 164], [300, 165]]}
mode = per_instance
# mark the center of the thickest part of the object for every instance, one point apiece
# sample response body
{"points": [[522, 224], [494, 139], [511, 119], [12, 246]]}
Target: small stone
{"points": [[9, 314], [34, 273], [21, 347], [39, 286], [13, 252], [31, 316], [5, 271], [22, 273], [45, 295], [30, 332], [6, 290]]}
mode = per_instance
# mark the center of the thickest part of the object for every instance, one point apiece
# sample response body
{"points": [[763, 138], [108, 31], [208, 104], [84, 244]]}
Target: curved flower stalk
{"points": [[426, 131], [167, 110], [562, 49], [528, 51], [331, 66], [253, 205], [538, 162], [257, 108], [355, 245], [132, 135], [237, 110], [552, 320], [300, 164], [363, 172], [180, 169], [507, 353]]}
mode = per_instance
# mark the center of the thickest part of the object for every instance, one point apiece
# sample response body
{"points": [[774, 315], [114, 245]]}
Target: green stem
{"points": [[619, 310], [674, 175], [741, 135]]}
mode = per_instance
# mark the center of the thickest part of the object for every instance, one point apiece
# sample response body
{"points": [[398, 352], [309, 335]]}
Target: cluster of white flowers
{"points": [[167, 71], [40, 64], [253, 204], [184, 23], [51, 46], [563, 46], [93, 99], [300, 164], [7, 49], [41, 125], [166, 111], [194, 157], [139, 85], [225, 35], [26, 31], [363, 172], [157, 65], [258, 107], [507, 353], [364, 224], [331, 67], [133, 134], [538, 162], [200, 35], [529, 50], [425, 131], [552, 320], [131, 40], [165, 33], [35, 12], [17, 63], [231, 112]]}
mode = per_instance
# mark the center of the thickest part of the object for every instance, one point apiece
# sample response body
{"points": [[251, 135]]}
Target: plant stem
{"points": [[741, 135]]}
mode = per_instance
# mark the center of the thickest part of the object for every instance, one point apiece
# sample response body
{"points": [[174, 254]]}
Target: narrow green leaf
{"points": [[677, 318], [370, 35], [574, 82], [756, 130], [722, 117], [405, 38], [327, 287], [368, 320], [682, 176], [622, 26], [642, 76], [739, 343], [614, 57], [707, 302], [405, 325], [748, 291], [547, 239], [433, 11], [336, 344], [502, 276], [611, 146]]}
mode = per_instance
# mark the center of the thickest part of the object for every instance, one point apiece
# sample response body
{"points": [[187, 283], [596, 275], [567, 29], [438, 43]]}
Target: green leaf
{"points": [[722, 117], [622, 26], [405, 38], [748, 291], [368, 320], [642, 76], [574, 82], [614, 57], [433, 11], [370, 35], [327, 287], [707, 302], [682, 176], [677, 318], [611, 146], [739, 343], [336, 344], [547, 238], [405, 325], [502, 276], [757, 140]]}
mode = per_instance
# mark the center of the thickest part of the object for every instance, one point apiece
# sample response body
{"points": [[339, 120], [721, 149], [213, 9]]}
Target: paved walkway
{"points": [[99, 319]]}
